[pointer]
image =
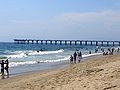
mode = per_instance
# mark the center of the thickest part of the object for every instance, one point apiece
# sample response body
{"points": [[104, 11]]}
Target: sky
{"points": [[59, 19]]}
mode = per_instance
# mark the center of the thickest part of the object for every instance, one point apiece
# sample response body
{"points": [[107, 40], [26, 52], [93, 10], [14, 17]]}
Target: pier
{"points": [[68, 42]]}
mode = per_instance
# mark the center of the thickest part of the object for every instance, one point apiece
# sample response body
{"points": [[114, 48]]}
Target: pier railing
{"points": [[68, 42]]}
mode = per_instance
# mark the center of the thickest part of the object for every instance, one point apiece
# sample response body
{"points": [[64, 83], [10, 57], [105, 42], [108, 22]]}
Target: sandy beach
{"points": [[97, 73]]}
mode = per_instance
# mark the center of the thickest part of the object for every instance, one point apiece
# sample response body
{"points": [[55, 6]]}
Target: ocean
{"points": [[33, 57]]}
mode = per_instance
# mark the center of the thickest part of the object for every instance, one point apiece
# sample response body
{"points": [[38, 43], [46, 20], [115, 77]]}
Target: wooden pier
{"points": [[67, 42]]}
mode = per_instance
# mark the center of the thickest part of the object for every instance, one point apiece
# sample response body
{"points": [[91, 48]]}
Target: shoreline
{"points": [[61, 65], [94, 73], [54, 66]]}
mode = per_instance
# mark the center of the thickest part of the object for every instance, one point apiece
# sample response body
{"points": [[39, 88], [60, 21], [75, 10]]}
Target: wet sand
{"points": [[95, 73]]}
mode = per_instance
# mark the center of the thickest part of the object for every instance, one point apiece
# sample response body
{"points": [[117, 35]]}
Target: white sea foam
{"points": [[21, 55], [45, 52], [55, 60], [88, 55], [14, 64]]}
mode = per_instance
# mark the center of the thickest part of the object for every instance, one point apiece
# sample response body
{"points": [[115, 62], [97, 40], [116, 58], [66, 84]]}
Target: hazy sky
{"points": [[60, 19]]}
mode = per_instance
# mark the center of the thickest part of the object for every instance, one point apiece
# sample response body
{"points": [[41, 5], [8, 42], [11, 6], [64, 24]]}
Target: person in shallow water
{"points": [[71, 59], [118, 49], [89, 52], [7, 67], [2, 69], [79, 56], [75, 57], [37, 51]]}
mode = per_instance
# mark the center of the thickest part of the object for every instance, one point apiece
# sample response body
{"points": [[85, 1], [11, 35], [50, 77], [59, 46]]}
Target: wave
{"points": [[45, 52], [55, 60], [21, 55], [14, 64], [88, 55]]}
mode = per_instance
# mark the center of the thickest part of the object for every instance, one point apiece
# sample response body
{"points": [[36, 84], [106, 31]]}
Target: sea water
{"points": [[32, 57]]}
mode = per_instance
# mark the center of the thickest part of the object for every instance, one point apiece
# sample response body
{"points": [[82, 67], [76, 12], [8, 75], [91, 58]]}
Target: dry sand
{"points": [[98, 73]]}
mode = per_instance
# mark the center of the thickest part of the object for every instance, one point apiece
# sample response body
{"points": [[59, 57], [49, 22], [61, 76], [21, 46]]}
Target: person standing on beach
{"points": [[75, 57], [71, 59], [79, 56], [7, 67], [118, 49], [112, 50], [2, 69]]}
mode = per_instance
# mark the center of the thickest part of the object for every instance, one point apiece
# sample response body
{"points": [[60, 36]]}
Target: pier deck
{"points": [[67, 42]]}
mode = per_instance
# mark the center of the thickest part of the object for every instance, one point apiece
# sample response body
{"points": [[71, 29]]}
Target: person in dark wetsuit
{"points": [[7, 67], [2, 69], [75, 57]]}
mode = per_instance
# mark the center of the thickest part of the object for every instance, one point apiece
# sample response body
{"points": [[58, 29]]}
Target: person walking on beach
{"points": [[71, 59], [110, 53], [79, 56], [2, 69], [118, 49], [7, 67], [75, 57]]}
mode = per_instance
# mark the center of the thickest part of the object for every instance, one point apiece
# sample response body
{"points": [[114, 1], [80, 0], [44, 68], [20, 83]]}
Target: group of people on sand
{"points": [[76, 56], [4, 66], [110, 51]]}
